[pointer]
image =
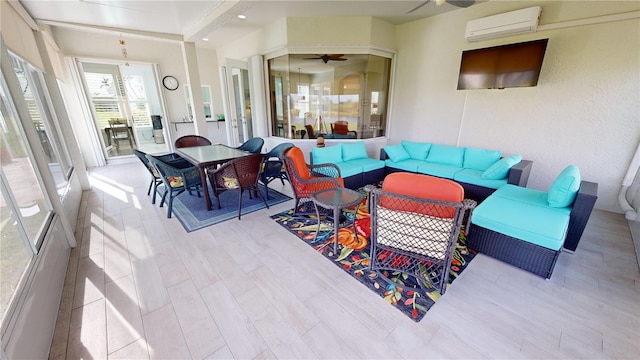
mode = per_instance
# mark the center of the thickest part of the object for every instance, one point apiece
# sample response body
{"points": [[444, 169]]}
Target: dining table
{"points": [[209, 156]]}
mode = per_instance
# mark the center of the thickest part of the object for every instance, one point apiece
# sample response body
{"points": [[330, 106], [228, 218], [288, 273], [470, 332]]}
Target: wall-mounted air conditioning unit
{"points": [[510, 23]]}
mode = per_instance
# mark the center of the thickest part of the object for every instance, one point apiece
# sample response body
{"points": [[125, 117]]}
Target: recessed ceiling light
{"points": [[205, 39], [242, 16]]}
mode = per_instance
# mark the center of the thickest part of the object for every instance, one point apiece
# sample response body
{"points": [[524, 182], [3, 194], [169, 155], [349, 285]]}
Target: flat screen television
{"points": [[499, 67]]}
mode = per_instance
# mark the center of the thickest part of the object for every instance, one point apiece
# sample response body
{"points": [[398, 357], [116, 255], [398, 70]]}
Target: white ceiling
{"points": [[215, 20]]}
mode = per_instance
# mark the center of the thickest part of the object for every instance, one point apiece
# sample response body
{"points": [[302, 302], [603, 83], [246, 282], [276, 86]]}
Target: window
{"points": [[206, 100], [25, 209], [310, 92], [44, 120]]}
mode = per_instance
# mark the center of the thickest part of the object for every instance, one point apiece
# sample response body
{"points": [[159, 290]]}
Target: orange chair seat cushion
{"points": [[310, 188], [423, 187]]}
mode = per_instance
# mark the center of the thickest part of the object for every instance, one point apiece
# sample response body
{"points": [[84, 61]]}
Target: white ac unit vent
{"points": [[510, 23]]}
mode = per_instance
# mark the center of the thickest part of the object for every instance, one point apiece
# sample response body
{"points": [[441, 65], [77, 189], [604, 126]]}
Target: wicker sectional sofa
{"points": [[479, 171], [356, 167], [528, 228]]}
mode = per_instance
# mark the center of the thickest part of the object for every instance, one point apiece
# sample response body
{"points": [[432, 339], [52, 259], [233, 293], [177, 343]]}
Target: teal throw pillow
{"points": [[565, 187], [396, 153], [500, 169], [416, 150], [480, 159], [446, 155], [329, 154], [354, 151]]}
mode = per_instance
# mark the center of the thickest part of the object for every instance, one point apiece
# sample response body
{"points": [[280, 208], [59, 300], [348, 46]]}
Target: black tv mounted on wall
{"points": [[499, 67]]}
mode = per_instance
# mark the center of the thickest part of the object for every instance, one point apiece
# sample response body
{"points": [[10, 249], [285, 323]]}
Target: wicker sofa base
{"points": [[357, 181], [527, 256]]}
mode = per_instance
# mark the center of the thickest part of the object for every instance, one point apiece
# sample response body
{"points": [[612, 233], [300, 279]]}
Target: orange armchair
{"points": [[307, 179], [415, 223]]}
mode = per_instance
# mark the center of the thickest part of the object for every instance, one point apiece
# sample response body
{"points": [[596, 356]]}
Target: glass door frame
{"points": [[239, 126]]}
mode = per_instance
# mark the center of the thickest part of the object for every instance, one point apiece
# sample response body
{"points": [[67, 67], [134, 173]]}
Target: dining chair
{"points": [[307, 179], [239, 174], [175, 180], [273, 167], [173, 159], [191, 141], [253, 145], [415, 225], [120, 131], [310, 132]]}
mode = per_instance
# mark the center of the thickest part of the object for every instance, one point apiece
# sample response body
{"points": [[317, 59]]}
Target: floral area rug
{"points": [[402, 291]]}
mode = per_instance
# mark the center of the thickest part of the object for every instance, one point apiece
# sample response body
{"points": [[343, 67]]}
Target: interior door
{"points": [[239, 106], [128, 93]]}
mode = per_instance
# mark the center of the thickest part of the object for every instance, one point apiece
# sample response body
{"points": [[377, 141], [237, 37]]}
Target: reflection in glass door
{"points": [[239, 106]]}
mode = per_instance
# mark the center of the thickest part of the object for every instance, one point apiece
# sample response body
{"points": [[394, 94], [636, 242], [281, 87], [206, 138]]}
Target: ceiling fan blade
{"points": [[338, 59], [417, 7], [461, 3]]}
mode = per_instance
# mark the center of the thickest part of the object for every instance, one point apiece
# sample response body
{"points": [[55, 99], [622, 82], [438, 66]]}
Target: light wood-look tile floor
{"points": [[139, 287]]}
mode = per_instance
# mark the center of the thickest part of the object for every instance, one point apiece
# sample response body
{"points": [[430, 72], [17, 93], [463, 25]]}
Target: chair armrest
{"points": [[519, 174], [383, 155], [190, 175], [327, 169], [580, 213]]}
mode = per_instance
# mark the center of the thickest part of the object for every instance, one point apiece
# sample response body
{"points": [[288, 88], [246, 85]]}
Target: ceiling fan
{"points": [[458, 3], [326, 58]]}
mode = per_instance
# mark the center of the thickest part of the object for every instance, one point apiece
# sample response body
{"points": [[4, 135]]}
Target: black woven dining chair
{"points": [[175, 180], [253, 145], [173, 159], [273, 167]]}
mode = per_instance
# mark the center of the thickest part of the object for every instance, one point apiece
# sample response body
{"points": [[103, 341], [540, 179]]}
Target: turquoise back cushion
{"points": [[500, 169], [565, 187], [353, 151], [328, 154], [480, 159], [396, 153], [446, 155], [416, 150]]}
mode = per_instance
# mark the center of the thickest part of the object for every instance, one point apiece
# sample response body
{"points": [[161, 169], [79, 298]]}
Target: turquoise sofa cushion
{"points": [[500, 169], [349, 169], [416, 150], [480, 159], [367, 164], [541, 225], [446, 155], [565, 187], [328, 154], [354, 150], [397, 153], [474, 177], [439, 170], [406, 165]]}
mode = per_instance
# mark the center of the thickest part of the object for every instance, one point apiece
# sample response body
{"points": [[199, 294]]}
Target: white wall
{"points": [[584, 111]]}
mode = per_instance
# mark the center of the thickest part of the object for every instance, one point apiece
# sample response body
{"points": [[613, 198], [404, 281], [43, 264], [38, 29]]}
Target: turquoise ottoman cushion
{"points": [[543, 226]]}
